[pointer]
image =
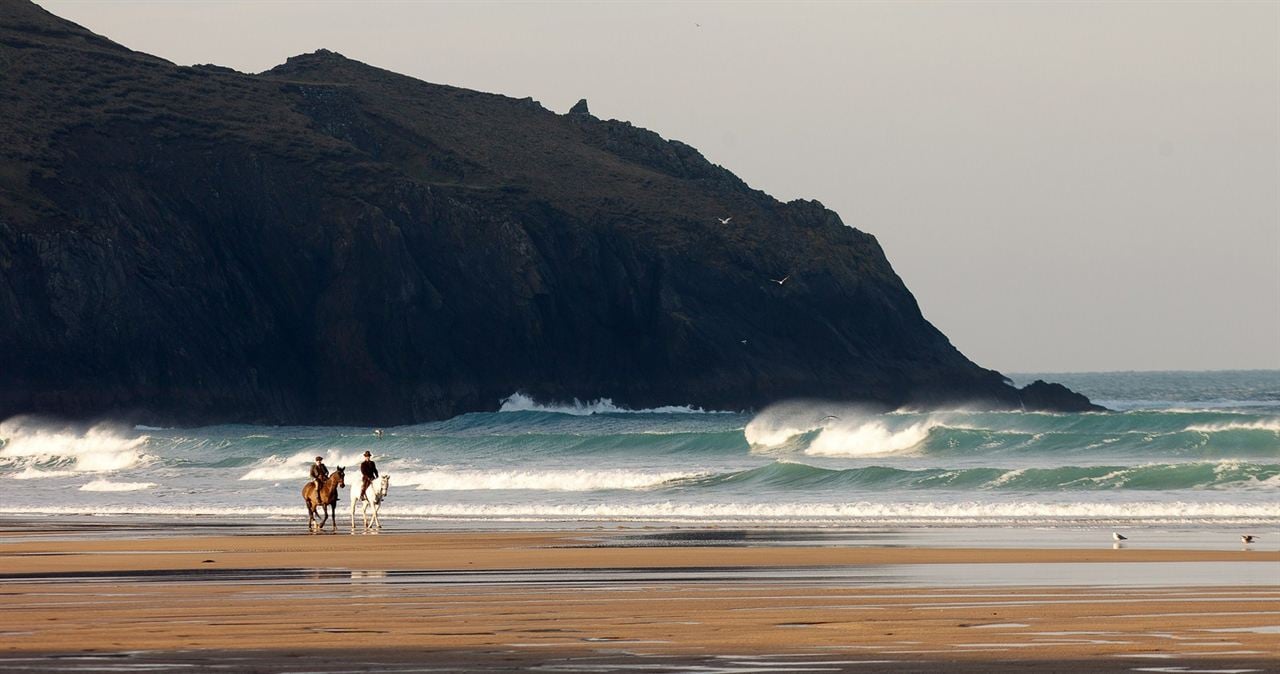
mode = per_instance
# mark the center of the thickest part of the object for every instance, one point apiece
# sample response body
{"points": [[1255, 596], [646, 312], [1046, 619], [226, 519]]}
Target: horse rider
{"points": [[368, 473], [319, 473]]}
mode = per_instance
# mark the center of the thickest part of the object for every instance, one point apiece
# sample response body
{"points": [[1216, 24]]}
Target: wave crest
{"points": [[1272, 425], [42, 449], [543, 480], [519, 402], [298, 466], [827, 431], [107, 485]]}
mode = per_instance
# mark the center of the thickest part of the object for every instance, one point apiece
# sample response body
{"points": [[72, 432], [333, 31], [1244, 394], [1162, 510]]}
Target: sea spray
{"points": [[827, 429], [519, 402], [38, 446]]}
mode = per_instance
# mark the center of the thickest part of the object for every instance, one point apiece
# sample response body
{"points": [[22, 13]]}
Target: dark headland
{"points": [[328, 242]]}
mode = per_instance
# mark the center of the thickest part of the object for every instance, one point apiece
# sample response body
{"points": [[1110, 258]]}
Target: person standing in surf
{"points": [[368, 473]]}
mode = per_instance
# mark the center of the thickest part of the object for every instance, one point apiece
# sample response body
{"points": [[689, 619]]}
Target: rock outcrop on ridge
{"points": [[328, 242]]}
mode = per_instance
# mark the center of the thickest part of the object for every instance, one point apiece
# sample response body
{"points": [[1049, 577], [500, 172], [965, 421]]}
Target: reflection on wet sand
{"points": [[521, 602]]}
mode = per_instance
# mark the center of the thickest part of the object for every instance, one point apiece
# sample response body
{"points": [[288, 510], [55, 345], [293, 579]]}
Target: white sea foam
{"points": [[1006, 477], [870, 438], [840, 431], [519, 402], [43, 449], [545, 480], [107, 485], [298, 466], [959, 514], [1272, 425]]}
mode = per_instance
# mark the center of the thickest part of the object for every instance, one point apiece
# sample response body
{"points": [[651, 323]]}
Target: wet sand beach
{"points": [[574, 601]]}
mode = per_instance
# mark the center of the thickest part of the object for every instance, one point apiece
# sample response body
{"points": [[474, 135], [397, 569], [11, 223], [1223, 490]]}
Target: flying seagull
{"points": [[1247, 538], [378, 432], [829, 416], [1119, 537], [725, 221], [783, 280]]}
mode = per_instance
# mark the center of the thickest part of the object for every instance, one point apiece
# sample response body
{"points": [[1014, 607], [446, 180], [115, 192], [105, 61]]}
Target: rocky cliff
{"points": [[328, 242]]}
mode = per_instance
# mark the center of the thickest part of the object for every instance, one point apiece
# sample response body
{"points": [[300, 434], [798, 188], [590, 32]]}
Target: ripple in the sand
{"points": [[619, 640], [1257, 629], [344, 630], [998, 645], [1080, 642]]}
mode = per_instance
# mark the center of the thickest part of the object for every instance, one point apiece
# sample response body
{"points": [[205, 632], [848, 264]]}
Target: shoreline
{"points": [[1066, 535], [606, 601]]}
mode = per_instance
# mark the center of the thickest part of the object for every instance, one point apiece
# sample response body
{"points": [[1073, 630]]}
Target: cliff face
{"points": [[327, 242]]}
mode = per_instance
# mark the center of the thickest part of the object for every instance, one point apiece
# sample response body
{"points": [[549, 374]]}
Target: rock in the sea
{"points": [[1040, 395], [328, 242]]}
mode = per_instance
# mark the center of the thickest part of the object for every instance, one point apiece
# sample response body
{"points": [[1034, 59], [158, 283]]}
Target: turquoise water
{"points": [[1199, 449]]}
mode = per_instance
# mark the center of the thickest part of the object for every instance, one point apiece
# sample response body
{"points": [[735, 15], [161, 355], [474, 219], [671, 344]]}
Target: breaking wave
{"points": [[815, 429], [38, 449], [799, 477], [519, 402]]}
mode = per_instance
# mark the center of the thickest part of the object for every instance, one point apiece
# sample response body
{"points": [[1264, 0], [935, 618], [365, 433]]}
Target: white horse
{"points": [[374, 497]]}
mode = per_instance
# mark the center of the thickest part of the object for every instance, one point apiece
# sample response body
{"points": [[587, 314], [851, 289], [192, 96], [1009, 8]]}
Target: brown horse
{"points": [[326, 500]]}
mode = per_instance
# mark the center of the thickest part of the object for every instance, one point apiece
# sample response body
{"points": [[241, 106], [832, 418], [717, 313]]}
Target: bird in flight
{"points": [[725, 221], [782, 280], [1247, 538]]}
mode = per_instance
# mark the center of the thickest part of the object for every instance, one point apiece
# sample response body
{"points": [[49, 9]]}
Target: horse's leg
{"points": [[377, 523]]}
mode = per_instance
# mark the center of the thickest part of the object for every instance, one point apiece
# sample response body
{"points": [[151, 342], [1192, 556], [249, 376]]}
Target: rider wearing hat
{"points": [[368, 473], [319, 473]]}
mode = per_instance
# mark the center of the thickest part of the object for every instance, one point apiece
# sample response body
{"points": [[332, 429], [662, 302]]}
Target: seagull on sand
{"points": [[725, 221], [783, 280], [1247, 538], [1117, 536]]}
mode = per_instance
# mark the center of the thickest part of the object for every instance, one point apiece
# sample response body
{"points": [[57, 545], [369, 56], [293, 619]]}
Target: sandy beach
{"points": [[579, 601]]}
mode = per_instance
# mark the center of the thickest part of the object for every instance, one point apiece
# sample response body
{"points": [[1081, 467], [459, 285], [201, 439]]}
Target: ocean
{"points": [[1187, 449]]}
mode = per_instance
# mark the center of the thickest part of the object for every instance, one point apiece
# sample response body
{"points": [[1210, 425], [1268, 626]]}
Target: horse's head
{"points": [[386, 484], [341, 474]]}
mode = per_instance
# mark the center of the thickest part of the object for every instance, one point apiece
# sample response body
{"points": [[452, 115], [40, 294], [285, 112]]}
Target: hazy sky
{"points": [[1064, 186]]}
